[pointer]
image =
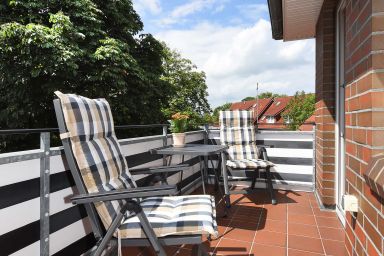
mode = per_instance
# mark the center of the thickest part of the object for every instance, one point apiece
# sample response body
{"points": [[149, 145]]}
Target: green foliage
{"points": [[189, 89], [188, 93], [88, 47], [265, 95], [216, 111], [248, 98], [299, 109]]}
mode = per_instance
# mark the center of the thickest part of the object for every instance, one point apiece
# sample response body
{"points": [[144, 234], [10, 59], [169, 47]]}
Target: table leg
{"points": [[181, 174], [202, 175], [225, 177]]}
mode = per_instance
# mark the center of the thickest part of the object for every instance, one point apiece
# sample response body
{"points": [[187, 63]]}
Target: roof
{"points": [[294, 19], [308, 124], [279, 104], [251, 104]]}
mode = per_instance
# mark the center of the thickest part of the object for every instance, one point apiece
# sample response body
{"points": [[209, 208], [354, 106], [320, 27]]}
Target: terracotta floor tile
{"points": [[305, 243], [332, 233], [303, 230], [293, 252], [302, 219], [267, 250], [242, 231], [324, 213], [232, 247], [273, 226], [298, 209], [182, 252], [335, 248], [271, 238], [128, 251], [276, 215], [328, 222]]}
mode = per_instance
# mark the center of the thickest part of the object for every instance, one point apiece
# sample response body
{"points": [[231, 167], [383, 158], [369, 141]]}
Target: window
{"points": [[271, 119], [287, 120], [278, 103]]}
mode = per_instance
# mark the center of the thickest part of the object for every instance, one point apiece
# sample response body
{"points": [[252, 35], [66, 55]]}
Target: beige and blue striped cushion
{"points": [[90, 127], [96, 150], [237, 131], [176, 215]]}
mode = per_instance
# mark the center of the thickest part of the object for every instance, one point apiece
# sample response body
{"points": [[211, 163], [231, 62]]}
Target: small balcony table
{"points": [[199, 150]]}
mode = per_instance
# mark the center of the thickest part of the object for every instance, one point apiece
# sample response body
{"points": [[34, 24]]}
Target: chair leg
{"points": [[225, 177], [254, 179], [148, 230], [269, 185]]}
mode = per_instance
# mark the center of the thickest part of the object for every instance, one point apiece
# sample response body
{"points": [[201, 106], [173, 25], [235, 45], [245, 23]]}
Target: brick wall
{"points": [[325, 104], [364, 105]]}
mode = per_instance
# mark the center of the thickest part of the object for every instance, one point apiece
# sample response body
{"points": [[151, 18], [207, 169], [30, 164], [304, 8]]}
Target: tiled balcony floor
{"points": [[294, 227]]}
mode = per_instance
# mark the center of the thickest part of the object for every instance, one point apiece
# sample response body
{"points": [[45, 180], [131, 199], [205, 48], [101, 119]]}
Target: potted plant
{"points": [[179, 125]]}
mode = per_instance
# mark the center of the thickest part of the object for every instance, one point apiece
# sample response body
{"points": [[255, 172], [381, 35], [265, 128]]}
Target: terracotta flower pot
{"points": [[178, 139]]}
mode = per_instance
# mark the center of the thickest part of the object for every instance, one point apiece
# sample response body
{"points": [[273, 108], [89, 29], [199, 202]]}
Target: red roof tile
{"points": [[306, 126], [251, 104], [279, 104]]}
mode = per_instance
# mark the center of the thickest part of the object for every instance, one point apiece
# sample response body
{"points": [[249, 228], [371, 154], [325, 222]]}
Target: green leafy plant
{"points": [[299, 109], [179, 122]]}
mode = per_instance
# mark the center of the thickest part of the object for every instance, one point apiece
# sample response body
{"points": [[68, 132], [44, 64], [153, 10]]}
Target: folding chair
{"points": [[237, 131], [117, 208]]}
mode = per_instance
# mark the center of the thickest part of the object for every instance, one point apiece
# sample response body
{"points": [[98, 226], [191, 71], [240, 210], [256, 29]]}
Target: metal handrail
{"points": [[40, 130]]}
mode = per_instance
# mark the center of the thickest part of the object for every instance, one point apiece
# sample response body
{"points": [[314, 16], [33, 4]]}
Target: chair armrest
{"points": [[160, 169], [129, 193], [263, 153]]}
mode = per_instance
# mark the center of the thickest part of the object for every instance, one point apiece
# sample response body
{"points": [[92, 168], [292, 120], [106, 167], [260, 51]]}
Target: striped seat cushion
{"points": [[237, 131], [176, 215], [248, 164], [96, 150]]}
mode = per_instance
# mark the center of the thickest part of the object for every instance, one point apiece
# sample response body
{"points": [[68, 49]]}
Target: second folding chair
{"points": [[237, 131]]}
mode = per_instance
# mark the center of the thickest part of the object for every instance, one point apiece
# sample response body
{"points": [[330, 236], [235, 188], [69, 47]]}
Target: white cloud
{"points": [[236, 58], [143, 6], [181, 11], [253, 11]]}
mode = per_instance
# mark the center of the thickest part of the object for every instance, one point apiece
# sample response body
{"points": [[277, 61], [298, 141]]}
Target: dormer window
{"points": [[270, 119], [287, 120]]}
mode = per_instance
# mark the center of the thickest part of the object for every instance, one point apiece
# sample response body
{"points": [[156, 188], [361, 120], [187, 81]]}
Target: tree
{"points": [[188, 84], [248, 98], [299, 109], [216, 111], [265, 95], [88, 47], [189, 89]]}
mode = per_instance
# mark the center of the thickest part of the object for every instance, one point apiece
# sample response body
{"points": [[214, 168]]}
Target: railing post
{"points": [[314, 156], [165, 142], [206, 139], [44, 192]]}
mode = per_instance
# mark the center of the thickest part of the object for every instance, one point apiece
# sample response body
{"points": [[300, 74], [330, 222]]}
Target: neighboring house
{"points": [[263, 105], [308, 124], [271, 118], [349, 111]]}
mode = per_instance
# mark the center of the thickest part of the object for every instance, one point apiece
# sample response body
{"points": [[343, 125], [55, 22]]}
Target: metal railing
{"points": [[44, 153]]}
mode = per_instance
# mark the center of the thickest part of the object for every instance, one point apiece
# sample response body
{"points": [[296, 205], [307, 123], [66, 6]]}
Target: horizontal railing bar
{"points": [[39, 130]]}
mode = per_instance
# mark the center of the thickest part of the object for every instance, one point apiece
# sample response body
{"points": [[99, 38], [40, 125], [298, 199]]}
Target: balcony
{"points": [[35, 190]]}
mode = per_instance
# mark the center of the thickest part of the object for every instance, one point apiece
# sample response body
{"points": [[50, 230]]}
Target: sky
{"points": [[231, 41]]}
